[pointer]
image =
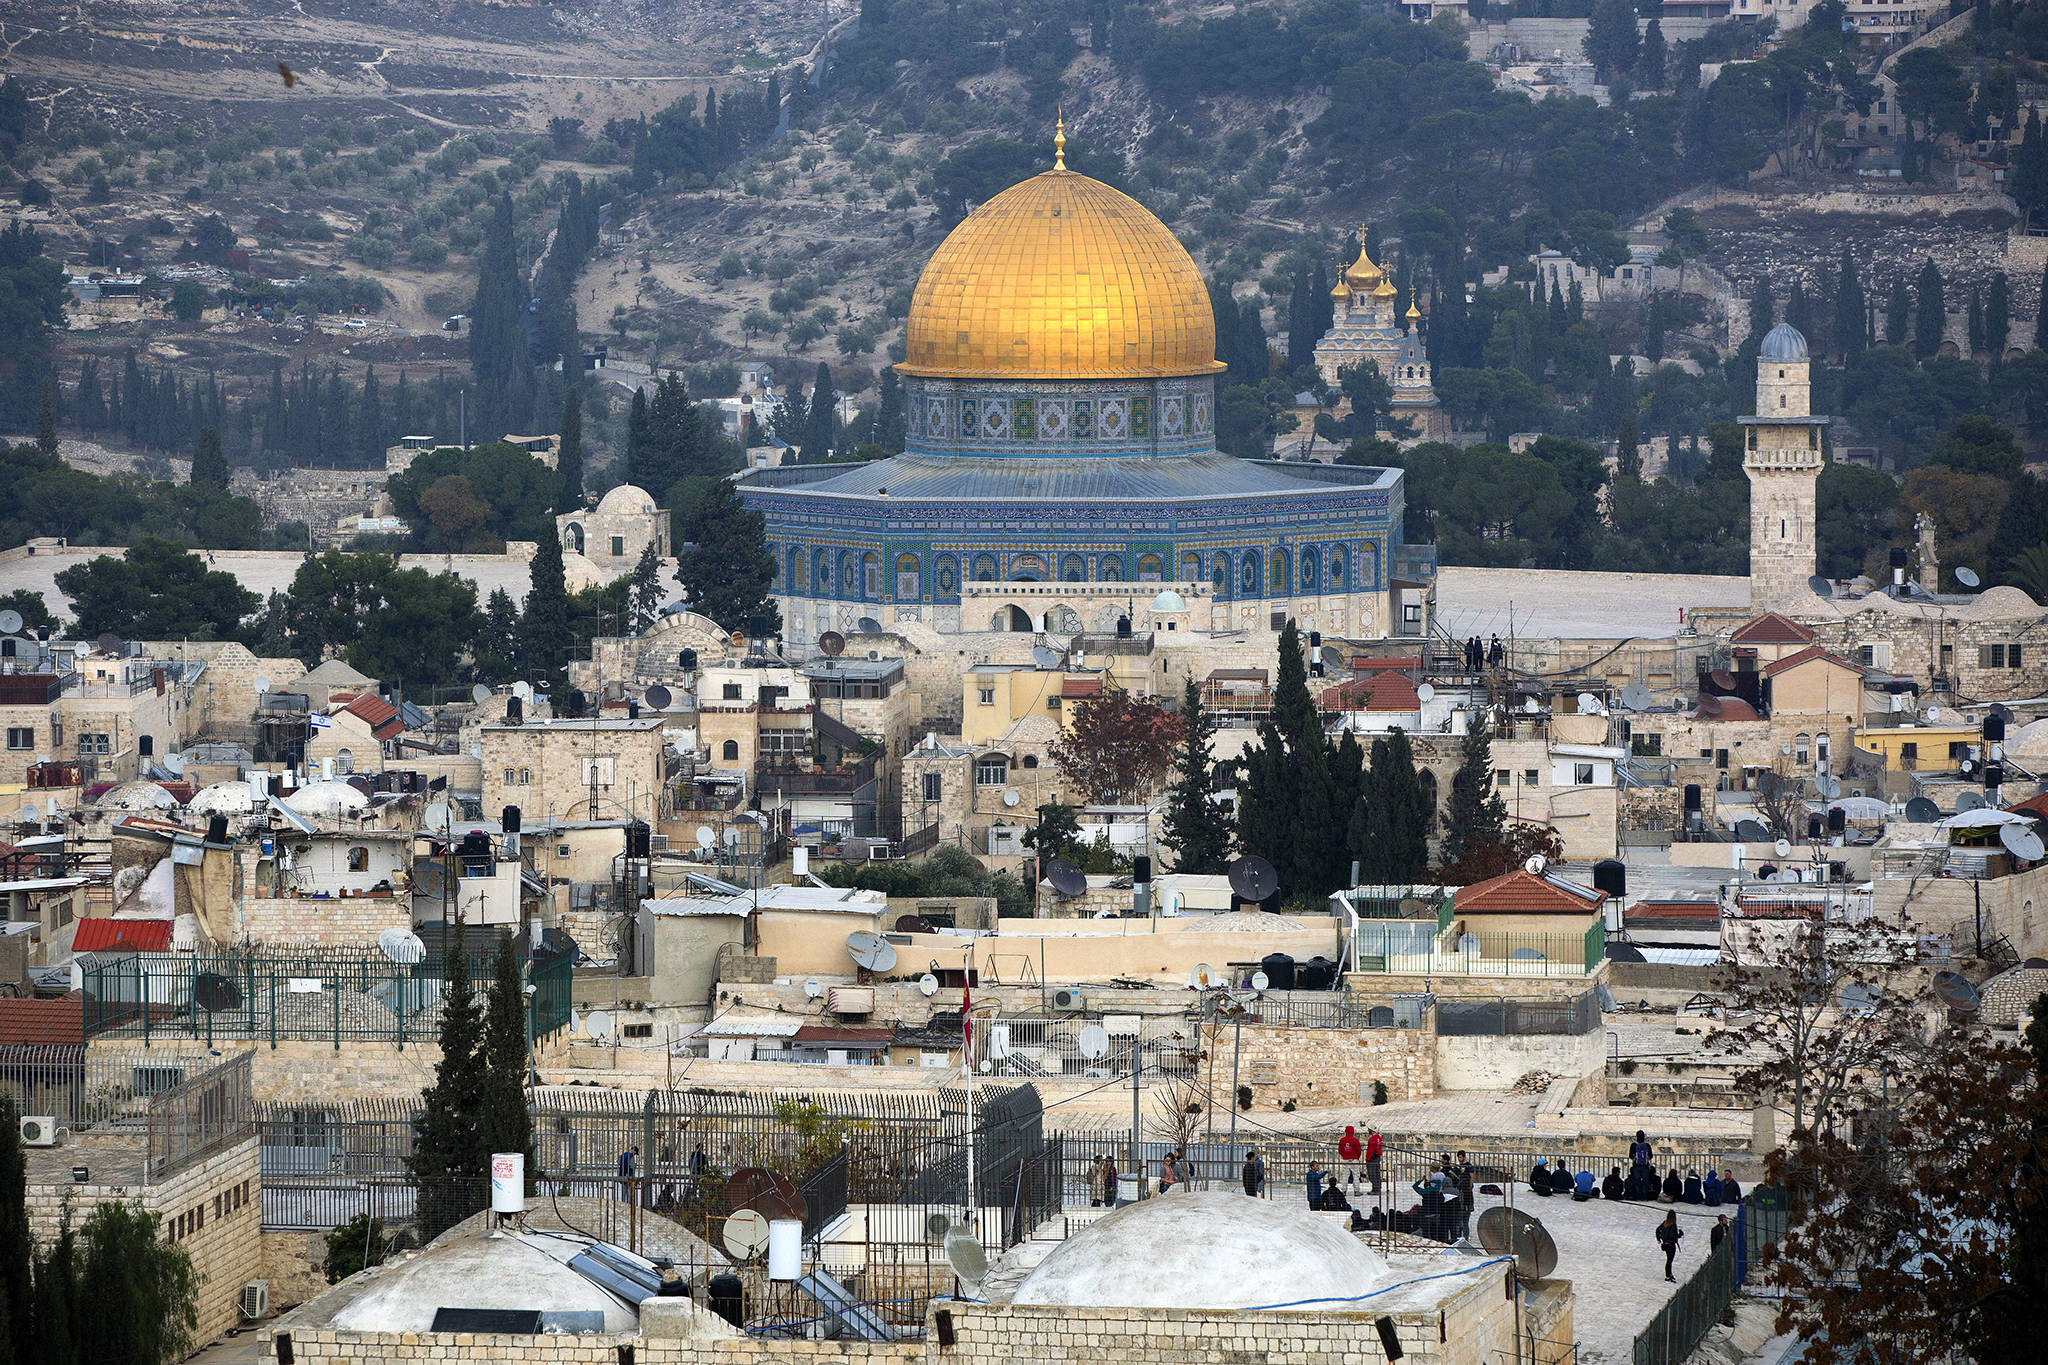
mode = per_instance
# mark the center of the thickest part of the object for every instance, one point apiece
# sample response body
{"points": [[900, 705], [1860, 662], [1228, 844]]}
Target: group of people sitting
{"points": [[1641, 1183]]}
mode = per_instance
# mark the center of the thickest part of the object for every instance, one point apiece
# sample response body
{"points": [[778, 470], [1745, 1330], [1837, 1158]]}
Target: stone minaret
{"points": [[1783, 460]]}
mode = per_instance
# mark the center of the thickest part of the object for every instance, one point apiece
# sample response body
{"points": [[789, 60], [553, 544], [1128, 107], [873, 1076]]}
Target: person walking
{"points": [[629, 1171], [1349, 1150], [1669, 1235], [1719, 1233], [1373, 1148], [1313, 1178], [1254, 1174], [1095, 1183]]}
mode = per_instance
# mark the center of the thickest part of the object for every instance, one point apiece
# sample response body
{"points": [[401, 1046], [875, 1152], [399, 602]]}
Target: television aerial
{"points": [[1011, 797], [1955, 991], [480, 694], [430, 879], [1066, 879], [871, 951], [1968, 577], [1710, 705], [2023, 842], [1921, 811], [1093, 1042], [832, 644], [732, 836], [964, 1254], [1532, 706], [174, 764], [10, 622], [927, 985], [1202, 977], [1253, 878], [659, 697], [402, 946], [744, 1235], [1829, 786]]}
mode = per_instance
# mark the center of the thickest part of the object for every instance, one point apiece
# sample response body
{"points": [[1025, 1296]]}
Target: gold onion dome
{"points": [[1413, 311], [1363, 272], [1060, 277], [1340, 290], [1386, 289]]}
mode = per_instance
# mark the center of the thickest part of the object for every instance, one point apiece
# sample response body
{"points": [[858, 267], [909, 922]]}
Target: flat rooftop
{"points": [[1561, 603]]}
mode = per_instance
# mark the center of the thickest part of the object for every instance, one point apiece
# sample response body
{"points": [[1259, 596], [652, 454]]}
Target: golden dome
{"points": [[1413, 311], [1386, 289], [1362, 271], [1340, 290], [1060, 277]]}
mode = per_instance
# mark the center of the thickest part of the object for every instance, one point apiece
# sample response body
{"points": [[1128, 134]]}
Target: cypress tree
{"points": [[1997, 317], [1390, 822], [17, 1249], [1303, 855], [1763, 308], [1931, 318], [636, 432], [503, 1122], [444, 1163], [275, 431], [371, 436], [2041, 315], [140, 1293], [821, 425], [1898, 313], [46, 418], [1475, 818], [569, 461], [1650, 60], [545, 632], [209, 465], [498, 352], [1195, 827], [1851, 325], [1974, 321], [1798, 311], [891, 423], [54, 1338]]}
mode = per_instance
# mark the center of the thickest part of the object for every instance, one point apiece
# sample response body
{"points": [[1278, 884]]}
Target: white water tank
{"points": [[785, 1249], [799, 861], [508, 1182]]}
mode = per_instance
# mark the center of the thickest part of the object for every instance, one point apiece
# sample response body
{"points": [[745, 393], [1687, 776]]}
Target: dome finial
{"points": [[1059, 139]]}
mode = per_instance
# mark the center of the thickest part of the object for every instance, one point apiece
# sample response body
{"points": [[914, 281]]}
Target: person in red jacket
{"points": [[1349, 1149], [1372, 1159]]}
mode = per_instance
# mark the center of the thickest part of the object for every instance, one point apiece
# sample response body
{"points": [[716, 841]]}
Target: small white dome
{"points": [[1168, 601], [222, 798], [1212, 1249], [477, 1272], [626, 498], [327, 798], [137, 796]]}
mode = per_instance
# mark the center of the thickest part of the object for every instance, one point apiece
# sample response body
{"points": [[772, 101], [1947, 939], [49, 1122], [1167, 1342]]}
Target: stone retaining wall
{"points": [[347, 922], [1321, 1066]]}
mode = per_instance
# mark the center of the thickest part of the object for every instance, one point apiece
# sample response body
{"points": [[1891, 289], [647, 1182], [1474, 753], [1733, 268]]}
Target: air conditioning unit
{"points": [[1069, 1000], [39, 1130], [255, 1300], [850, 999]]}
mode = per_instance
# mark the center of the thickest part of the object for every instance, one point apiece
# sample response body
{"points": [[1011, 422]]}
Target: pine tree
{"points": [[569, 460], [1898, 313], [498, 351], [724, 566], [1475, 817], [444, 1162], [821, 423], [1195, 827], [497, 653], [17, 1248], [1997, 318], [1650, 61], [504, 1123], [46, 418], [209, 465], [546, 634], [1930, 320], [644, 595], [1851, 325]]}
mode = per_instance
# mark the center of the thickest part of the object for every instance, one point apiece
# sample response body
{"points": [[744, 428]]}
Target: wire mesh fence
{"points": [[200, 1115], [1508, 1016], [80, 1088]]}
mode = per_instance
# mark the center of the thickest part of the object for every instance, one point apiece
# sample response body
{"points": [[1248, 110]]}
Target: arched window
{"points": [[849, 574], [1073, 569], [1802, 749], [821, 569], [1280, 577], [358, 859], [909, 578], [1151, 569], [1031, 761], [730, 753], [871, 577], [1191, 568], [572, 539], [1250, 575], [344, 760], [946, 579], [1309, 569], [1219, 574], [1338, 564], [793, 579], [1110, 569], [984, 569]]}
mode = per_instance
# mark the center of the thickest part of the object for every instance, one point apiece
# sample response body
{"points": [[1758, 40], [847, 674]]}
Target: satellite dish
{"points": [[914, 924], [1093, 1042], [1066, 879], [1637, 697], [813, 988], [2022, 842], [1969, 800], [213, 992], [1011, 798], [109, 643], [705, 838], [430, 879], [402, 946], [964, 1254], [744, 1235], [2036, 964], [868, 625], [174, 764], [1260, 981], [1751, 831], [1967, 577], [832, 643], [1589, 705], [10, 622], [1829, 786], [1783, 848], [480, 694], [1921, 811], [871, 951], [937, 1225], [927, 985], [1710, 705], [1045, 656], [1253, 878], [659, 697], [437, 818], [83, 649], [1425, 692], [1510, 1232], [1820, 586], [1953, 989], [523, 691], [260, 683], [598, 1024], [732, 836], [1203, 976], [1534, 867]]}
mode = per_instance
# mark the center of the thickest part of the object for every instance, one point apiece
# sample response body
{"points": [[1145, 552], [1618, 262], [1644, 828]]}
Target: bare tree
{"points": [[1781, 801]]}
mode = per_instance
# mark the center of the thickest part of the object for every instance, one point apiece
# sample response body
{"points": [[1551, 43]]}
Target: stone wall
{"points": [[352, 921], [1495, 1063], [317, 497], [293, 1264], [1321, 1066], [321, 1074]]}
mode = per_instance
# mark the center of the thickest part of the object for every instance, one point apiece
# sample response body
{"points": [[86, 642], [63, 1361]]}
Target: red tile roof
{"points": [[1526, 893], [1372, 692], [1081, 687], [2033, 805], [1807, 655], [43, 1023], [1408, 665], [380, 715], [1772, 629], [99, 935]]}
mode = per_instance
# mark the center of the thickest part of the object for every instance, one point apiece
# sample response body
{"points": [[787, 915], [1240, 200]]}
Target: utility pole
{"points": [[1137, 1160]]}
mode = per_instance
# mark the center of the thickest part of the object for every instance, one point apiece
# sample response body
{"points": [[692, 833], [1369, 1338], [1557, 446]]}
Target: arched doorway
{"points": [[1013, 619], [572, 538]]}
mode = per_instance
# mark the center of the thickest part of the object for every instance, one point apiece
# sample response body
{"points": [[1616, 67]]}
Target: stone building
{"points": [[613, 534], [1782, 456], [1366, 330], [585, 769], [112, 713]]}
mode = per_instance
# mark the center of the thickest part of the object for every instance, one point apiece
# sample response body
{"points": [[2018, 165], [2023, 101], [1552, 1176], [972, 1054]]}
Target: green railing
{"points": [[1683, 1322], [1596, 944], [1507, 954], [325, 996]]}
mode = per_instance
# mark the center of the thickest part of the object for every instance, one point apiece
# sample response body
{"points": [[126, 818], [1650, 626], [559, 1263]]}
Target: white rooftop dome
{"points": [[1169, 600], [477, 1272], [136, 796], [626, 498], [1213, 1249], [327, 798], [222, 798]]}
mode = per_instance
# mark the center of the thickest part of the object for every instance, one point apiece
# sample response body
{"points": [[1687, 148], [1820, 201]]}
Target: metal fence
{"points": [[1505, 1016], [82, 1088], [1403, 903], [200, 1116], [1339, 1009], [1683, 1322], [327, 995], [1409, 948]]}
